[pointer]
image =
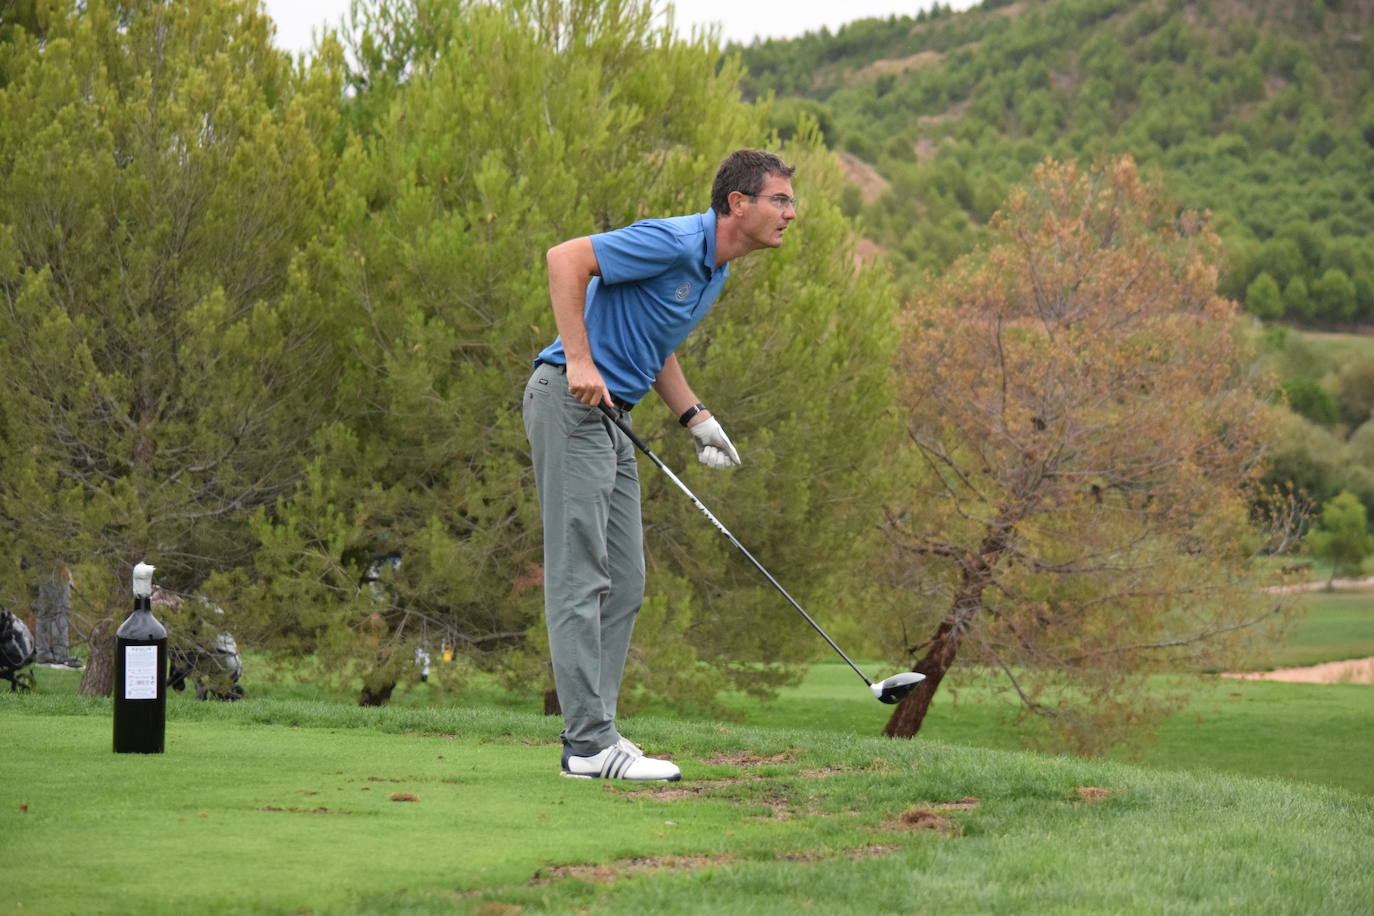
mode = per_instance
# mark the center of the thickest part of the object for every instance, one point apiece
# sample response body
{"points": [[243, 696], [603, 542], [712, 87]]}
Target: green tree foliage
{"points": [[1089, 440], [1342, 536], [163, 170], [480, 136], [1256, 111], [1335, 295], [1305, 456], [1327, 382], [1356, 393], [1309, 399], [17, 18], [1263, 298], [1297, 301]]}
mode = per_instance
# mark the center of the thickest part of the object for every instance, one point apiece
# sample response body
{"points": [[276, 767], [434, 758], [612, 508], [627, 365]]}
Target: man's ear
{"points": [[736, 200]]}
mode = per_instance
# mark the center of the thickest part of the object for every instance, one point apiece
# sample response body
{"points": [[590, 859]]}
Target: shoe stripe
{"points": [[615, 764]]}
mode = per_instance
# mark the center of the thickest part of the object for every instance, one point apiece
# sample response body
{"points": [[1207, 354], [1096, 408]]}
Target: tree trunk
{"points": [[98, 678], [379, 697], [551, 707], [906, 719]]}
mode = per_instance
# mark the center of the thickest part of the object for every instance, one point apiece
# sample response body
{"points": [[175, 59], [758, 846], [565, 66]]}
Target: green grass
{"points": [[285, 806], [1338, 349], [1313, 733], [283, 803], [1337, 625]]}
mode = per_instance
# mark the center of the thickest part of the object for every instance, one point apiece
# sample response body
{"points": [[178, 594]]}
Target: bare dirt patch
{"points": [[897, 65], [320, 810], [1350, 671], [747, 759], [866, 252], [921, 817], [667, 793], [823, 772], [608, 873], [817, 855], [706, 788], [1333, 585], [873, 852], [865, 177], [496, 909], [1093, 794], [949, 114]]}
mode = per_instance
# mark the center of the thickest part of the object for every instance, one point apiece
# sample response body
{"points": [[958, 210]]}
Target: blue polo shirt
{"points": [[658, 280]]}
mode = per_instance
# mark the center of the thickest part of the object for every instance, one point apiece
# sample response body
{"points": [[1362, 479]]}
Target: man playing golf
{"points": [[623, 301]]}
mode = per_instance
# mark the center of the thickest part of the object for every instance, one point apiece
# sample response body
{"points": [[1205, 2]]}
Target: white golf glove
{"points": [[713, 446]]}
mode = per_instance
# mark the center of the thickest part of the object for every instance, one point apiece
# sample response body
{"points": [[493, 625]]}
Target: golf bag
{"points": [[215, 671], [16, 652]]}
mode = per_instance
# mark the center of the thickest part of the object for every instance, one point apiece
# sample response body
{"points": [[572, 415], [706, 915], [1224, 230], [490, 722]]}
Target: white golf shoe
{"points": [[621, 760]]}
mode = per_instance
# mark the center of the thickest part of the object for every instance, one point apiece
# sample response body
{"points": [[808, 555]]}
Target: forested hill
{"points": [[1262, 112]]}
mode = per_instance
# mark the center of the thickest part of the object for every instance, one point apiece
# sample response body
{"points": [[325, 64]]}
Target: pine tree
{"points": [[496, 131], [1341, 536], [1263, 299], [162, 171]]}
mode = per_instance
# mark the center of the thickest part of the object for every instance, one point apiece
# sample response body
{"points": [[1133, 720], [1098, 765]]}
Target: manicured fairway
{"points": [[294, 801], [296, 807]]}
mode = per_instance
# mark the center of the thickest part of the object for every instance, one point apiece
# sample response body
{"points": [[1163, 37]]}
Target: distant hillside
{"points": [[1262, 112]]}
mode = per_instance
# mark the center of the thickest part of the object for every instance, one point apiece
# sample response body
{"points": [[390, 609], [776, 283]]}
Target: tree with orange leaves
{"points": [[1078, 400]]}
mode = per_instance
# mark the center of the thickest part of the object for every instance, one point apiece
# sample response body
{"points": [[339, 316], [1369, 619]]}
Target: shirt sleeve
{"points": [[637, 252]]}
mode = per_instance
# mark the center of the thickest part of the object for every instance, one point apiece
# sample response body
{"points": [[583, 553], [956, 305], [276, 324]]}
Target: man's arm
{"points": [[672, 387], [714, 448], [571, 266]]}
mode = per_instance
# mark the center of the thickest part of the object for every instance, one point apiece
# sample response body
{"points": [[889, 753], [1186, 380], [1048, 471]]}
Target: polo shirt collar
{"points": [[708, 224]]}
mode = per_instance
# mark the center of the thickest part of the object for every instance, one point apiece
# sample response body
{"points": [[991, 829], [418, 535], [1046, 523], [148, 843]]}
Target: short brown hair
{"points": [[744, 170]]}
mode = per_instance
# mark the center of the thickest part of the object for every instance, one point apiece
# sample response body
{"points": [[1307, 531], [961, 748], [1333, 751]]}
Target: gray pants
{"points": [[584, 469]]}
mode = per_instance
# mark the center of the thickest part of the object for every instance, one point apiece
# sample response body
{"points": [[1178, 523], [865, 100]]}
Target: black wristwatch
{"points": [[692, 411]]}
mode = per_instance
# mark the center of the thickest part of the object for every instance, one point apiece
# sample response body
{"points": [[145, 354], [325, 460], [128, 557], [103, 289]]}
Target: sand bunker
{"points": [[1351, 671], [1336, 585]]}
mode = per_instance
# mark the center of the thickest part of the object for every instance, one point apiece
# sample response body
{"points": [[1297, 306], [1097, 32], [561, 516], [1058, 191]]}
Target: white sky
{"points": [[740, 20]]}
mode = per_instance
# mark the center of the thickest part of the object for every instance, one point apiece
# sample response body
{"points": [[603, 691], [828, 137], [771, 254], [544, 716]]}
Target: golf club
{"points": [[891, 690]]}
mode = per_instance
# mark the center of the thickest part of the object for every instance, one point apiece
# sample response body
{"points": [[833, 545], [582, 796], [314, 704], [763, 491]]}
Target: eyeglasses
{"points": [[781, 201]]}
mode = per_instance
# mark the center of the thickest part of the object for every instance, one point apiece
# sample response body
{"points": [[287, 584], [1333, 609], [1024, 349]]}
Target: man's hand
{"points": [[586, 384], [713, 447]]}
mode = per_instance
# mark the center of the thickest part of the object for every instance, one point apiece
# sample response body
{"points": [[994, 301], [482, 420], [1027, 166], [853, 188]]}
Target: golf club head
{"points": [[895, 688]]}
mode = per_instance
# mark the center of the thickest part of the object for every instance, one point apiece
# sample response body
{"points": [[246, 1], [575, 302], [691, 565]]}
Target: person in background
{"points": [[53, 608]]}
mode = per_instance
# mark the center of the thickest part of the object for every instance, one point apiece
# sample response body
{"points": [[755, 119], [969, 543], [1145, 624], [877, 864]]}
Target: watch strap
{"points": [[691, 412]]}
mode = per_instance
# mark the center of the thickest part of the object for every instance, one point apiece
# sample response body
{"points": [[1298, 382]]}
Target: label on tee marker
{"points": [[140, 672]]}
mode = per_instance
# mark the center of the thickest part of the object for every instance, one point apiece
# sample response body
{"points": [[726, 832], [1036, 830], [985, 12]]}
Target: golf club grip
{"points": [[616, 418]]}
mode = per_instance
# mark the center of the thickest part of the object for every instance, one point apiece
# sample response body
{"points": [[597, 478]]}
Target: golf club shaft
{"points": [[643, 447]]}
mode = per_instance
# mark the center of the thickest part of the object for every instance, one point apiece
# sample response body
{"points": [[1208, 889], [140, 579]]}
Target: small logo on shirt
{"points": [[683, 291]]}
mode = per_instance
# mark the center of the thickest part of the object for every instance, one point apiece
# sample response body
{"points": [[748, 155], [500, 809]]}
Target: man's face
{"points": [[763, 220]]}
